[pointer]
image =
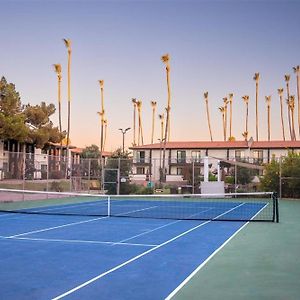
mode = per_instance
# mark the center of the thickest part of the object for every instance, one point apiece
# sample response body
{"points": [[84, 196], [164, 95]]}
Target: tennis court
{"points": [[80, 247]]}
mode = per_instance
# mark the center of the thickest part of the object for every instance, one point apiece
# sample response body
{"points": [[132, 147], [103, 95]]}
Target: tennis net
{"points": [[225, 207]]}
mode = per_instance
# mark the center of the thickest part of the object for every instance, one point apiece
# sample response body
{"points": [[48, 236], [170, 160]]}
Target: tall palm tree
{"points": [[291, 104], [140, 130], [133, 100], [225, 100], [268, 100], [102, 115], [280, 93], [256, 78], [230, 116], [68, 46], [207, 114], [287, 81], [161, 117], [222, 110], [297, 72], [246, 101], [166, 60], [153, 104], [57, 69]]}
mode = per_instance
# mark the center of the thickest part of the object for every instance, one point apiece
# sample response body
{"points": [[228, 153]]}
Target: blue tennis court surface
{"points": [[80, 257]]}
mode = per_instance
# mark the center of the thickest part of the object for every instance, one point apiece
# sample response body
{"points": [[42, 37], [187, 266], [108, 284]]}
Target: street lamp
{"points": [[123, 132]]}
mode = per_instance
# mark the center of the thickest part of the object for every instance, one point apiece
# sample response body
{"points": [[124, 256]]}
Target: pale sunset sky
{"points": [[215, 46]]}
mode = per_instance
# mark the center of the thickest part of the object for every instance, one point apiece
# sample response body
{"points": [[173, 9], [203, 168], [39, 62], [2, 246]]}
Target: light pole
{"points": [[123, 133]]}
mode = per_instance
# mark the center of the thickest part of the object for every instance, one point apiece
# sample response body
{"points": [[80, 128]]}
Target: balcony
{"points": [[141, 161], [185, 161]]}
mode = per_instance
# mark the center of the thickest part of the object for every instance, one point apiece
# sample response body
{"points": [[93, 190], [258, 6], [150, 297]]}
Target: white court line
{"points": [[133, 259], [71, 224], [78, 241], [56, 227], [157, 228], [179, 287]]}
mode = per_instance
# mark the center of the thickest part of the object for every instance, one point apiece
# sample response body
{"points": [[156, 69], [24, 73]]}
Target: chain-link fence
{"points": [[130, 176]]}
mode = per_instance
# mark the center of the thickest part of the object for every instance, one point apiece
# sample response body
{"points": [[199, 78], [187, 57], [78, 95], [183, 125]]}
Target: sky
{"points": [[214, 46]]}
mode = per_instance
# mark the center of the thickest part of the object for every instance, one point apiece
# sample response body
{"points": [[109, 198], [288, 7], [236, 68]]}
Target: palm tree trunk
{"points": [[208, 118], [289, 110], [256, 109], [247, 115], [281, 116], [269, 125], [167, 123], [298, 95], [134, 122]]}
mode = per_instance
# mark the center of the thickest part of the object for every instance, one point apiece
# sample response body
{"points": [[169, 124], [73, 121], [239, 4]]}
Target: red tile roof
{"points": [[275, 144], [196, 145], [223, 145]]}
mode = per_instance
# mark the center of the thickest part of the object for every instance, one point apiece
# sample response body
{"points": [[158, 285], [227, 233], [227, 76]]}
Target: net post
{"points": [[108, 206], [275, 207]]}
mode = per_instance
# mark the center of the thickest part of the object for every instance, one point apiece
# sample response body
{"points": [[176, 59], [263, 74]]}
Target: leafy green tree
{"points": [[91, 161], [290, 173], [270, 180], [12, 120], [120, 160], [41, 127]]}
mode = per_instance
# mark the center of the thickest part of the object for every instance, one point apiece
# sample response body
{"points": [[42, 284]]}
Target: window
{"points": [[258, 156], [140, 156], [181, 156], [239, 154], [179, 171], [140, 170], [196, 156]]}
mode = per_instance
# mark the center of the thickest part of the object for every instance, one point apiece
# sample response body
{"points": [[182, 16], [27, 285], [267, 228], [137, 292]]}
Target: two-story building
{"points": [[147, 159]]}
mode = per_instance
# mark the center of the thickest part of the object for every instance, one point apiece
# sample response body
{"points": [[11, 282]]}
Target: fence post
{"points": [[280, 177], [89, 175], [193, 177], [118, 176]]}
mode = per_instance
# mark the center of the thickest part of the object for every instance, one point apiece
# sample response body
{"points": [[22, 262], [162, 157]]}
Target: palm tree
{"points": [[291, 104], [101, 82], [166, 60], [256, 78], [222, 110], [268, 100], [230, 116], [245, 135], [153, 104], [68, 46], [161, 117], [134, 120], [287, 80], [246, 101], [57, 69], [280, 93], [140, 131], [207, 114], [225, 100], [297, 72]]}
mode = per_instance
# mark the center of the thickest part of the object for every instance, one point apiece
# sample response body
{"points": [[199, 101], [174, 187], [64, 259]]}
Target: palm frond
{"points": [[57, 68], [206, 95], [280, 91], [287, 77], [256, 76], [101, 82], [67, 43], [153, 103], [165, 58]]}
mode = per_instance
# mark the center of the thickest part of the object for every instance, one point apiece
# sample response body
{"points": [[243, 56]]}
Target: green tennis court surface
{"points": [[261, 262]]}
